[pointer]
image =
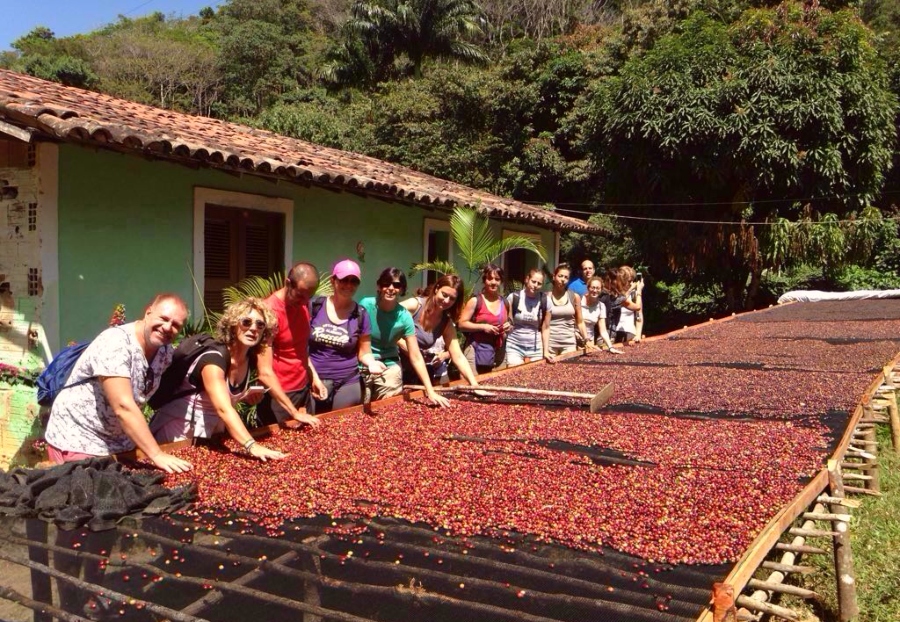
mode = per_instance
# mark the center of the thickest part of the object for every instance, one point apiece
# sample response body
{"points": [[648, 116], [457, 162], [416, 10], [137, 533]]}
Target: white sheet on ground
{"points": [[811, 295]]}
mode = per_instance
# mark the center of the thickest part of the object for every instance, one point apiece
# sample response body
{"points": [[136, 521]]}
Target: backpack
{"points": [[187, 352], [53, 379], [315, 305], [542, 309]]}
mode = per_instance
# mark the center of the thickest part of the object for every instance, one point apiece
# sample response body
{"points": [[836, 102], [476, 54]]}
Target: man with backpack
{"points": [[98, 410]]}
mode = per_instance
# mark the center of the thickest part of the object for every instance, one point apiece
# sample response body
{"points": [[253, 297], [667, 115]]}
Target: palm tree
{"points": [[418, 29], [477, 245]]}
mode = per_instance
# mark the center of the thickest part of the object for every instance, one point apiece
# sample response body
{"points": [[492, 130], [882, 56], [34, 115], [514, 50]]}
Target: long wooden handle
{"points": [[489, 388]]}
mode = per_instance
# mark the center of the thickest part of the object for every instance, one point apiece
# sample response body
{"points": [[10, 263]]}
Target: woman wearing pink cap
{"points": [[340, 337]]}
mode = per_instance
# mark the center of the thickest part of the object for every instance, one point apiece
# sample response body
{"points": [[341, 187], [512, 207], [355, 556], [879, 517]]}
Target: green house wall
{"points": [[125, 231]]}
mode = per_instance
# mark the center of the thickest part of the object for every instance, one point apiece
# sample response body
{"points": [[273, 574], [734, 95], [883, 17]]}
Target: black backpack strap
{"points": [[478, 298], [315, 305], [515, 304], [355, 314]]}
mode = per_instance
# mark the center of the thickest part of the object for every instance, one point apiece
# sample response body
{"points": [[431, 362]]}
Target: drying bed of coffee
{"points": [[503, 509]]}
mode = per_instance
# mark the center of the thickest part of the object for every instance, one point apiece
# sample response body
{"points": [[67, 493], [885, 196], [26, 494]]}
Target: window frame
{"points": [[429, 225], [239, 200]]}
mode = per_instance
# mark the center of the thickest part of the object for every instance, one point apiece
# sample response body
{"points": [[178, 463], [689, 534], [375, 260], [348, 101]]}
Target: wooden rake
{"points": [[597, 400]]}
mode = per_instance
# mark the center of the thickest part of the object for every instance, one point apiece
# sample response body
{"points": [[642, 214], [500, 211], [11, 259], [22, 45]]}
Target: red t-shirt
{"points": [[290, 349]]}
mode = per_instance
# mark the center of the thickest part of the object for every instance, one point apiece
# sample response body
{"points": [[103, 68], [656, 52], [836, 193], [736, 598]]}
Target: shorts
{"points": [[61, 456], [557, 350], [621, 336], [269, 411], [385, 385], [515, 356]]}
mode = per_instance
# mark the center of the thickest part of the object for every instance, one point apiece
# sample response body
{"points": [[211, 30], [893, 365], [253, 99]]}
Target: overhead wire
{"points": [[708, 203], [717, 222]]}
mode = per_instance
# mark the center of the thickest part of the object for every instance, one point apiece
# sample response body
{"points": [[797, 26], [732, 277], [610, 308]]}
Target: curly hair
{"points": [[234, 313]]}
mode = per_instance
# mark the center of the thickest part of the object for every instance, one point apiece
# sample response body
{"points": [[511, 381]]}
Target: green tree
{"points": [[268, 48], [744, 123], [477, 245], [41, 54], [417, 29]]}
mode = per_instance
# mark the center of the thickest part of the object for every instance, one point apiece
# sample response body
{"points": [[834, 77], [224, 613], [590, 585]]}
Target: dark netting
{"points": [[829, 311], [95, 493], [220, 567]]}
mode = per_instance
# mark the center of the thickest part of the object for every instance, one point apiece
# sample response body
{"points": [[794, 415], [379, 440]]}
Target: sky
{"points": [[69, 17]]}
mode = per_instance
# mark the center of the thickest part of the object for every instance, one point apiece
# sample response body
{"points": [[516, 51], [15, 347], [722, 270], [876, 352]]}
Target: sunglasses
{"points": [[394, 284], [248, 322], [352, 280]]}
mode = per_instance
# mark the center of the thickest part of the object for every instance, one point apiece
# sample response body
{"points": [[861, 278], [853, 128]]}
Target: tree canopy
{"points": [[785, 110]]}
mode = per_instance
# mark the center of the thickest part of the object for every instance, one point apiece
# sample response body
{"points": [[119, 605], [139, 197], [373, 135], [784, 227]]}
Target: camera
{"points": [[638, 277]]}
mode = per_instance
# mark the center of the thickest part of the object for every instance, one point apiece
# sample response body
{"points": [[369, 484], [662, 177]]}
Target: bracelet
{"points": [[249, 444]]}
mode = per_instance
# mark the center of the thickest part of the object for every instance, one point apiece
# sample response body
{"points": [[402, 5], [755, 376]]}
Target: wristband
{"points": [[250, 443]]}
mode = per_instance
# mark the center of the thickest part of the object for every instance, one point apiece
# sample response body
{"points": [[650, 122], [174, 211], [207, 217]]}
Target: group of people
{"points": [[620, 290], [297, 355]]}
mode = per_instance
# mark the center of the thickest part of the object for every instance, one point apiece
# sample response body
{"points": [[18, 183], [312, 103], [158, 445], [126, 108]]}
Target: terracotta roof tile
{"points": [[75, 115]]}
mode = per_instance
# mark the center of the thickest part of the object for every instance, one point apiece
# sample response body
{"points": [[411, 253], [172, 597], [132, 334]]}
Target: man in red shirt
{"points": [[287, 358]]}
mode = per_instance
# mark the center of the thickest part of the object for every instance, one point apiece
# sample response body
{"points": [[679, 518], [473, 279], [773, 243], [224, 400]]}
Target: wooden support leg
{"points": [[873, 484], [843, 554], [36, 531], [890, 402]]}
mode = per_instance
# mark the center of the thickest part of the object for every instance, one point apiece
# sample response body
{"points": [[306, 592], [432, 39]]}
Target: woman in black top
{"points": [[208, 377]]}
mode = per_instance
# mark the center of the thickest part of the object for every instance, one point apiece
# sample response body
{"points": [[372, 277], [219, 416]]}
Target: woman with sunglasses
{"points": [[435, 312], [340, 340], [209, 376], [391, 323]]}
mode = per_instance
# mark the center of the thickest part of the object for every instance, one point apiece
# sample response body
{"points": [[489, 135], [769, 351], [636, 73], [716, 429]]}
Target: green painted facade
{"points": [[126, 231]]}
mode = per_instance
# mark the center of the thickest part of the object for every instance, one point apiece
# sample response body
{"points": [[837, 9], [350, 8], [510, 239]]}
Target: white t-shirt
{"points": [[82, 420], [591, 314], [626, 318]]}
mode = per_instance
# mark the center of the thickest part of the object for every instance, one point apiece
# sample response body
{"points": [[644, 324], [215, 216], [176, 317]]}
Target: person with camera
{"points": [[632, 304]]}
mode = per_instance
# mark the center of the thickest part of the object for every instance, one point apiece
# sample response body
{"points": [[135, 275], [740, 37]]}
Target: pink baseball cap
{"points": [[345, 268]]}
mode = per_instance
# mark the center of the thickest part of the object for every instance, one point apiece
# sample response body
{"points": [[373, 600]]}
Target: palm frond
{"points": [[472, 234], [477, 244], [255, 286], [324, 287], [440, 266], [516, 243]]}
